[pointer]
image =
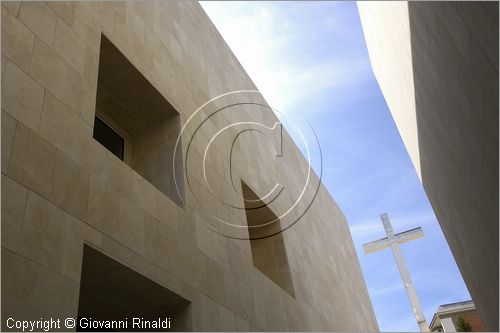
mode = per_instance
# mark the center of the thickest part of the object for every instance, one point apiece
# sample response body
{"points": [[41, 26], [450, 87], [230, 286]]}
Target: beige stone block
{"points": [[124, 39], [77, 234], [91, 66], [118, 174], [94, 157], [232, 292], [43, 234], [260, 310], [200, 272], [22, 97], [63, 128], [79, 96], [242, 325], [239, 263], [144, 194], [86, 25], [121, 253], [104, 14], [219, 247], [156, 239], [247, 302], [64, 9], [163, 277], [4, 62], [13, 202], [227, 319], [167, 212], [134, 21], [8, 129], [209, 318], [17, 40], [119, 7], [103, 208], [12, 6], [31, 291], [70, 186], [40, 19], [180, 258], [32, 160], [149, 12], [48, 68], [203, 236], [145, 59], [70, 46], [131, 225]]}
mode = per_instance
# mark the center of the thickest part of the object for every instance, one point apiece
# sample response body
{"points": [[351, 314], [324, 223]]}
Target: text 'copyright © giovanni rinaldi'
{"points": [[86, 323]]}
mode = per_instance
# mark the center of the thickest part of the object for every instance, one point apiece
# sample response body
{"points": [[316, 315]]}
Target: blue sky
{"points": [[314, 57]]}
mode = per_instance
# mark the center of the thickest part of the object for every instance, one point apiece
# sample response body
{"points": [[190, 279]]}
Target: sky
{"points": [[311, 59]]}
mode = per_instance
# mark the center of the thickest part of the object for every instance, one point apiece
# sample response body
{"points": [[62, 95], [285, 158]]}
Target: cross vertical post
{"points": [[393, 240]]}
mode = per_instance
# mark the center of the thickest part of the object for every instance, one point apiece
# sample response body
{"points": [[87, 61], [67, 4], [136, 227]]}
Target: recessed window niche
{"points": [[268, 253], [112, 291], [136, 123]]}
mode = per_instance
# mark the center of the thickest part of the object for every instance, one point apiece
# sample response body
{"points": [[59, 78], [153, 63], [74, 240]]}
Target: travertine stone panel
{"points": [[70, 186], [156, 241], [144, 194], [103, 207], [22, 97], [70, 46], [43, 233], [8, 129], [17, 40], [13, 202], [12, 6], [64, 9], [70, 128], [4, 62], [85, 25], [79, 95], [32, 160], [152, 152], [131, 225], [48, 68], [40, 19], [167, 212], [32, 291]]}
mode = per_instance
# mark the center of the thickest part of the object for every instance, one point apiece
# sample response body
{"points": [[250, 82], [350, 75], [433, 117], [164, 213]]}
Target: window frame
{"points": [[127, 138]]}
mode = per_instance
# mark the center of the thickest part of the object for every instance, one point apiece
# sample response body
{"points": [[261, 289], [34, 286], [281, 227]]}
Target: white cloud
{"points": [[262, 36]]}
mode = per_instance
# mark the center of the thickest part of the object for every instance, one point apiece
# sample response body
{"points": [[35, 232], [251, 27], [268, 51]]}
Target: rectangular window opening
{"points": [[136, 123], [112, 291], [269, 254]]}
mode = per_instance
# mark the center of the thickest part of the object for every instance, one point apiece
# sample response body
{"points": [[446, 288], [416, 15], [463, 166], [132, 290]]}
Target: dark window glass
{"points": [[108, 138]]}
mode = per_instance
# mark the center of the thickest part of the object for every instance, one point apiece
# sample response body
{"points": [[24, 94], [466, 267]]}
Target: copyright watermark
{"points": [[52, 324], [212, 142], [40, 324]]}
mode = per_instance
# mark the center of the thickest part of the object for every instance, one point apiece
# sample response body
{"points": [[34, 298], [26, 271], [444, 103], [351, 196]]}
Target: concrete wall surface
{"points": [[437, 66], [62, 189]]}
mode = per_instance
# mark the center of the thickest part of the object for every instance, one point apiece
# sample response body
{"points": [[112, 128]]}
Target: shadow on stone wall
{"points": [[455, 66]]}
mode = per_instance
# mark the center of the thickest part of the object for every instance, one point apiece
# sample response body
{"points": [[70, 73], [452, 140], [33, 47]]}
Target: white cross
{"points": [[393, 240]]}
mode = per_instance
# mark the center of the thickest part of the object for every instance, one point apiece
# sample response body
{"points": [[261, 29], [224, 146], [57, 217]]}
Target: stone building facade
{"points": [[106, 214], [437, 66]]}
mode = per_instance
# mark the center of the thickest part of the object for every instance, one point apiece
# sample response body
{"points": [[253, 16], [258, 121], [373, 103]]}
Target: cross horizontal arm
{"points": [[377, 245], [410, 235], [401, 238]]}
